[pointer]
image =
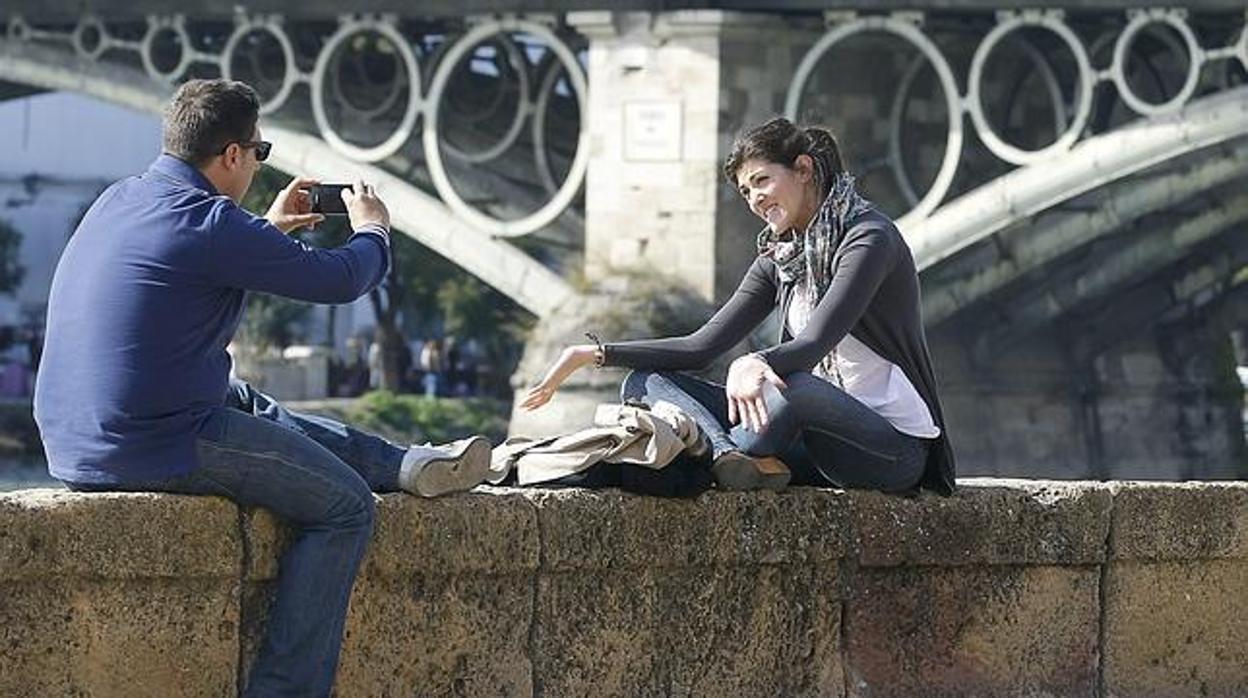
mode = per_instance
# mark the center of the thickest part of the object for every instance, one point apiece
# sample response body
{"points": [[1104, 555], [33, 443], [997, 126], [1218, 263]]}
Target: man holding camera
{"points": [[134, 390]]}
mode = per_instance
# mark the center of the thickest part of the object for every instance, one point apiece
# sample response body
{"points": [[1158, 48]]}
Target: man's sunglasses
{"points": [[262, 148]]}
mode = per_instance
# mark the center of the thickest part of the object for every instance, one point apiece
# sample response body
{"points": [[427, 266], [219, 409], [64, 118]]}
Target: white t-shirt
{"points": [[871, 379]]}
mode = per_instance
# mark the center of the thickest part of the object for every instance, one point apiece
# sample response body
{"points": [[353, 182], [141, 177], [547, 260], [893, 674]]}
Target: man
{"points": [[134, 391]]}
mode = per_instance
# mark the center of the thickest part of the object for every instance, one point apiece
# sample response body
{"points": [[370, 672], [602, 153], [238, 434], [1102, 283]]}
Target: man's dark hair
{"points": [[205, 116]]}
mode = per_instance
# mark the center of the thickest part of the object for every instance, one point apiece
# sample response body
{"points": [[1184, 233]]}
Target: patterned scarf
{"points": [[806, 258]]}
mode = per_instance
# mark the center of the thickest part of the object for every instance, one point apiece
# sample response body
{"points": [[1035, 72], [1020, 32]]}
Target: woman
{"points": [[848, 396]]}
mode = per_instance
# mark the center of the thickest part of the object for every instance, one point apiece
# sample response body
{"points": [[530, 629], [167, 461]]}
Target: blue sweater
{"points": [[146, 296]]}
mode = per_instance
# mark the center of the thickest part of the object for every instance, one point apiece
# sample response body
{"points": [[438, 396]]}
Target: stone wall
{"points": [[1009, 588], [1163, 403]]}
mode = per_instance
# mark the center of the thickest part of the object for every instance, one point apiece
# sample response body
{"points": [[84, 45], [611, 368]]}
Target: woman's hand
{"points": [[746, 377], [569, 361]]}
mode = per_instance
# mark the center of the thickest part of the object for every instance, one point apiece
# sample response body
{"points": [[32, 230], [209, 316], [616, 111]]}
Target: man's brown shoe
{"points": [[734, 470]]}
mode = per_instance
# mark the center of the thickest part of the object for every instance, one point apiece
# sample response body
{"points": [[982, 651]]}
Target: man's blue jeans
{"points": [[822, 433], [318, 475]]}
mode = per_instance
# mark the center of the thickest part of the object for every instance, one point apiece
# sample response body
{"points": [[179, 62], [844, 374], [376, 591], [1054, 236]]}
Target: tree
{"points": [[387, 299]]}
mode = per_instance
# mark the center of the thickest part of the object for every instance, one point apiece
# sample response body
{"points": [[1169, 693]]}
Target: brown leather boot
{"points": [[734, 470]]}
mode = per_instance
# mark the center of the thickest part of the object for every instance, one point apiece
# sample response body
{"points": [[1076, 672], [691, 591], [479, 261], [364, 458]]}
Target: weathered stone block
{"points": [[987, 522], [720, 631], [609, 530], [972, 631], [476, 533], [432, 636], [56, 533], [1176, 628], [130, 638], [1180, 521], [443, 602]]}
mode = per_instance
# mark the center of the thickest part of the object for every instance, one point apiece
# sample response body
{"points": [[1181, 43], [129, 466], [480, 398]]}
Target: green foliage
{"points": [[443, 298], [11, 270], [415, 419]]}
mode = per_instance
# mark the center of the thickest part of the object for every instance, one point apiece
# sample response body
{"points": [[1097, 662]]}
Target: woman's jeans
{"points": [[824, 435], [318, 475]]}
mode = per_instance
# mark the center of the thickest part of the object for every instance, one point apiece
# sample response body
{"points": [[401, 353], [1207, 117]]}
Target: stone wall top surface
{"points": [[1156, 521], [50, 533], [502, 531]]}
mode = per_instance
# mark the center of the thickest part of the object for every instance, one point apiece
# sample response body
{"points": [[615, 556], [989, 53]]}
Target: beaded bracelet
{"points": [[600, 354]]}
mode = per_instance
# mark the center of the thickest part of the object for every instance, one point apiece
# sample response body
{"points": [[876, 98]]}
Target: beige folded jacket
{"points": [[621, 434]]}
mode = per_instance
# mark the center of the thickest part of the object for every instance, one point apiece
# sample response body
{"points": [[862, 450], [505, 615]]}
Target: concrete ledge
{"points": [[1009, 587]]}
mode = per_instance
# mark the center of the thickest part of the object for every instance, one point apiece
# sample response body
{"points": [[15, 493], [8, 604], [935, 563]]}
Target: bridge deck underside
{"points": [[72, 9]]}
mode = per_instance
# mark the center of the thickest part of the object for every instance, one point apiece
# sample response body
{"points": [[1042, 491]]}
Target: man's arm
{"points": [[249, 252]]}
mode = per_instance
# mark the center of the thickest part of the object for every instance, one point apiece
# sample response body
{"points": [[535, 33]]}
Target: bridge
{"points": [[1070, 179]]}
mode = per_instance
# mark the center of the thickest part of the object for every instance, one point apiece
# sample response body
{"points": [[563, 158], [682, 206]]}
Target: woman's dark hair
{"points": [[779, 141], [205, 116]]}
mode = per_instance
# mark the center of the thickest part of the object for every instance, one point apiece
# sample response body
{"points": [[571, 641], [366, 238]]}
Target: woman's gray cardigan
{"points": [[874, 295]]}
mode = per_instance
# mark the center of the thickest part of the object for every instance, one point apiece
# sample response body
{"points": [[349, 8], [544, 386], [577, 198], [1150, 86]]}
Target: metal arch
{"points": [[544, 91], [1093, 163], [415, 213], [365, 114], [483, 114], [524, 107], [156, 25], [429, 221], [433, 146], [1054, 237], [18, 29], [348, 28], [1121, 48], [1242, 47], [273, 26], [1098, 44], [87, 22], [908, 32], [900, 98], [1010, 153], [1050, 81]]}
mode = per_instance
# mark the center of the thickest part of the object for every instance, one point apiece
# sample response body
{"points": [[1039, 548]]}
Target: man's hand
{"points": [[292, 209], [746, 378], [363, 206]]}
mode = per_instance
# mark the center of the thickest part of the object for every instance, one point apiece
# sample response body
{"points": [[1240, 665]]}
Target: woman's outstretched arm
{"points": [[748, 306]]}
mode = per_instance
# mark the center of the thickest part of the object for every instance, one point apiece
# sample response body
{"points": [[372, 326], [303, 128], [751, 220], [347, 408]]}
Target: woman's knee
{"points": [[780, 405], [801, 382], [636, 385]]}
